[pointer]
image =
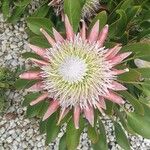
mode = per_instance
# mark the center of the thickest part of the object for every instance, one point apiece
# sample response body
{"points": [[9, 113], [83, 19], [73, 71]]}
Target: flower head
{"points": [[89, 8], [77, 72]]}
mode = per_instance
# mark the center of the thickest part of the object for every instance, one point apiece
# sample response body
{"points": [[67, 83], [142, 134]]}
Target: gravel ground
{"points": [[16, 131]]}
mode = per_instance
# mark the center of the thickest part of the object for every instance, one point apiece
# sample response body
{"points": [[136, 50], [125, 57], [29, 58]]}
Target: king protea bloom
{"points": [[89, 8], [77, 72]]}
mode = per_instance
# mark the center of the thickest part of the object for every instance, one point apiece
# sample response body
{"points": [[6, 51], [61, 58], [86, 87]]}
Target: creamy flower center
{"points": [[73, 69]]}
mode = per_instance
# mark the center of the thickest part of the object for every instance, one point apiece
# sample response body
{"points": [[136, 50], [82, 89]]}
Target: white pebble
{"points": [[13, 46], [2, 130], [8, 57], [39, 144], [9, 139]]}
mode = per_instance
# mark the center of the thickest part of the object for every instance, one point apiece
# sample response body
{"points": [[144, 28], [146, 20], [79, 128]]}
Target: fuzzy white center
{"points": [[73, 69]]}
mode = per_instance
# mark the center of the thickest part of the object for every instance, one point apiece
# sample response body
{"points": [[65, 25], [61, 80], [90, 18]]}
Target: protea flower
{"points": [[89, 9], [77, 72]]}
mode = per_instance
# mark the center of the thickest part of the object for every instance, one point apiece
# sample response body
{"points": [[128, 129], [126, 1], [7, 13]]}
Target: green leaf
{"points": [[62, 143], [66, 118], [34, 110], [121, 137], [141, 50], [131, 76], [41, 11], [30, 33], [145, 72], [17, 12], [119, 26], [126, 4], [4, 85], [102, 142], [112, 6], [73, 134], [124, 38], [5, 8], [134, 102], [122, 117], [109, 107], [30, 97], [102, 17], [2, 104], [143, 34], [52, 129], [131, 12], [146, 91], [92, 134], [35, 23], [43, 109], [42, 126], [22, 3], [27, 55], [139, 124], [73, 10], [110, 44], [39, 41], [146, 110], [145, 24], [22, 84]]}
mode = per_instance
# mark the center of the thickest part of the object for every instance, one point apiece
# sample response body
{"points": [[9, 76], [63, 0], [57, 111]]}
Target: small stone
{"points": [[35, 148], [39, 144], [1, 53], [14, 136], [10, 116], [15, 147], [18, 139], [20, 44], [2, 130], [9, 139], [8, 57], [14, 63], [84, 135], [111, 138], [38, 138], [24, 145], [11, 132], [85, 148], [30, 131], [60, 134], [13, 46]]}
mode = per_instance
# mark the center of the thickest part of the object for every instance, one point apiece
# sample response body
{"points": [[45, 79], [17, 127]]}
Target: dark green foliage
{"points": [[128, 19], [73, 11], [7, 81], [121, 137], [101, 143], [62, 144], [73, 134], [13, 10]]}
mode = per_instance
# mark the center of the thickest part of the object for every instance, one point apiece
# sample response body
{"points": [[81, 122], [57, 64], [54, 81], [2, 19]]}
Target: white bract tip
{"points": [[127, 70]]}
